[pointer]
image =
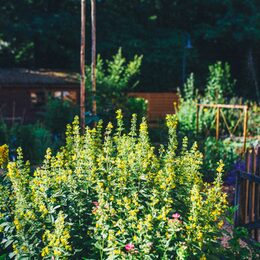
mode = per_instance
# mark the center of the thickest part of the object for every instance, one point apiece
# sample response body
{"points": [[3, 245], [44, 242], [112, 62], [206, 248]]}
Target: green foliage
{"points": [[219, 85], [186, 110], [237, 246], [114, 78], [111, 195], [254, 119], [33, 32], [34, 140], [214, 151], [3, 132], [58, 114]]}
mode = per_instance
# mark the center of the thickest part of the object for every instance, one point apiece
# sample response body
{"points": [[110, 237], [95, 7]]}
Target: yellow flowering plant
{"points": [[109, 194]]}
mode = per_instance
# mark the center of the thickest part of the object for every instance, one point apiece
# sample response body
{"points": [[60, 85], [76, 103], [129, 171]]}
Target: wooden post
{"points": [[257, 192], [217, 123], [82, 65], [93, 55], [245, 126]]}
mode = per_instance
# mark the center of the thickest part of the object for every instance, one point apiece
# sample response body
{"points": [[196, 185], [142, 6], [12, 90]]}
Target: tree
{"points": [[82, 64]]}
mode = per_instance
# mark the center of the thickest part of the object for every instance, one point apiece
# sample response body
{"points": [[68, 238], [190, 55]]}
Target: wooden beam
{"points": [[222, 106], [82, 65], [93, 55], [245, 126]]}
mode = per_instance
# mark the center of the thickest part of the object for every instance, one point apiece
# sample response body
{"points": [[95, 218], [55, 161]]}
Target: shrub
{"points": [[254, 119], [186, 111], [219, 87], [218, 90], [114, 79], [219, 84], [214, 151], [34, 140], [112, 197], [58, 114], [3, 132]]}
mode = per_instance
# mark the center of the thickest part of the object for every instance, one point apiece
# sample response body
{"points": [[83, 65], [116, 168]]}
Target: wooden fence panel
{"points": [[159, 104], [248, 194]]}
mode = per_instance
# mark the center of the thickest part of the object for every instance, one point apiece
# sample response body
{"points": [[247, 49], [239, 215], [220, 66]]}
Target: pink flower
{"points": [[95, 203], [129, 247], [176, 216]]}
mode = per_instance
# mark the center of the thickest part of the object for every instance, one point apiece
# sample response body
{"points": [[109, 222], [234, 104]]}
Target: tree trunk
{"points": [[82, 64], [93, 56]]}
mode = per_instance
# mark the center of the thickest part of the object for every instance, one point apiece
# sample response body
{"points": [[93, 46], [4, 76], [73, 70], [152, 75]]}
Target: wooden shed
{"points": [[159, 104], [23, 92]]}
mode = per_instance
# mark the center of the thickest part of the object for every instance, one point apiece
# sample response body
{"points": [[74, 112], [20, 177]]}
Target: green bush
{"points": [[3, 132], [218, 91], [114, 79], [34, 140], [112, 196], [186, 111], [219, 87], [58, 114], [214, 151]]}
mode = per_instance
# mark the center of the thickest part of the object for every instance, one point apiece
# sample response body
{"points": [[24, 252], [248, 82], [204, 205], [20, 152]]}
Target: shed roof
{"points": [[41, 76]]}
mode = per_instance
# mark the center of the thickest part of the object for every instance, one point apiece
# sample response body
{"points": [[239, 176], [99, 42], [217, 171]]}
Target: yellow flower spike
{"points": [[220, 224], [220, 166], [4, 154], [135, 238], [119, 114], [109, 126], [45, 251], [117, 251], [56, 252]]}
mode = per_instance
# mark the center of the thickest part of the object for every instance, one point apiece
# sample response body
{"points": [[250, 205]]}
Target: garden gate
{"points": [[247, 197]]}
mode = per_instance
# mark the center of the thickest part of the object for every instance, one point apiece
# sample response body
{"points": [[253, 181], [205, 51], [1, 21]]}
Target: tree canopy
{"points": [[46, 33]]}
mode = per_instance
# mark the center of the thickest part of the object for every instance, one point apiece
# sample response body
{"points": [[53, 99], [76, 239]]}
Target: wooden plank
{"points": [[252, 190], [252, 225], [242, 202], [250, 177], [246, 197], [217, 123], [257, 193], [245, 126], [222, 106], [248, 194]]}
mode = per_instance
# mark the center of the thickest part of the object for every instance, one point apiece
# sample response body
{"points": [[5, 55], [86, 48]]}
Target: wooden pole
{"points": [[245, 126], [217, 123], [82, 64], [93, 52]]}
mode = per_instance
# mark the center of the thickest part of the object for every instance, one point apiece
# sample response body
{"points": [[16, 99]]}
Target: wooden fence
{"points": [[247, 197], [159, 104]]}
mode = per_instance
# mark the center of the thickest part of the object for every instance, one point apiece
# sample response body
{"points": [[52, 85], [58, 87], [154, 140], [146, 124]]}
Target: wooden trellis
{"points": [[219, 113]]}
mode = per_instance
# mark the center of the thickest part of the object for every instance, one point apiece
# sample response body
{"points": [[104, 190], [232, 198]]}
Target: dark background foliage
{"points": [[46, 34]]}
